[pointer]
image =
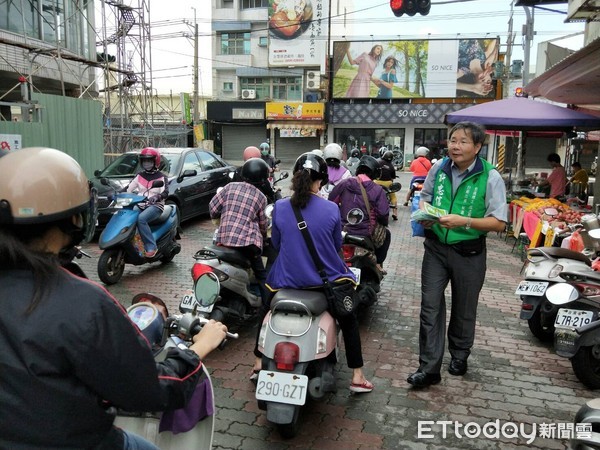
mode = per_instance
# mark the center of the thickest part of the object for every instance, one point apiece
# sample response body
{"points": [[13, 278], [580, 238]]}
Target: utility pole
{"points": [[196, 112], [528, 39]]}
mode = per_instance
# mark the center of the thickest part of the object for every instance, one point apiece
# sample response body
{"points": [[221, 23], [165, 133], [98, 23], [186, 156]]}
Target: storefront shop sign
{"points": [[384, 113], [297, 132], [295, 111], [247, 114]]}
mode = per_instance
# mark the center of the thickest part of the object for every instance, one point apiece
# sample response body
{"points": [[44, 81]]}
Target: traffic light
{"points": [[410, 7], [520, 92], [397, 7]]}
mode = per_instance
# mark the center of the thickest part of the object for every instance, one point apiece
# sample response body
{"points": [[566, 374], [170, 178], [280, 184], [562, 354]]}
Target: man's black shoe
{"points": [[457, 367], [421, 379]]}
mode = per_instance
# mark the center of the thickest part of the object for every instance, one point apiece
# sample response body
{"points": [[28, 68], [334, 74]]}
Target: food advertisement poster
{"points": [[293, 132], [413, 69], [297, 32]]}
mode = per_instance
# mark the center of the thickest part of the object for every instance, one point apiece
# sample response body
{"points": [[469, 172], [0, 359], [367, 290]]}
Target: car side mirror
{"points": [[186, 174]]}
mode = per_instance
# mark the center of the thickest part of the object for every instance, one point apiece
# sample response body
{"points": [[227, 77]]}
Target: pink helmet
{"points": [[251, 152], [151, 153]]}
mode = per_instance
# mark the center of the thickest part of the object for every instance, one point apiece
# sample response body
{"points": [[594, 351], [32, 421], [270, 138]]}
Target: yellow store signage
{"points": [[295, 111]]}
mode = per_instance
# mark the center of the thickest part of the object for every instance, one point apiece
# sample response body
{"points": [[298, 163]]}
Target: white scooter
{"points": [[299, 343], [541, 270], [150, 314]]}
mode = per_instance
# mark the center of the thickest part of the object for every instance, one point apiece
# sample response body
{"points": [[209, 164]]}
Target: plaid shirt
{"points": [[241, 208]]}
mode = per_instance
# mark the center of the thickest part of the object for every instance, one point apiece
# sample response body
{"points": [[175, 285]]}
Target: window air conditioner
{"points": [[248, 94], [313, 79]]}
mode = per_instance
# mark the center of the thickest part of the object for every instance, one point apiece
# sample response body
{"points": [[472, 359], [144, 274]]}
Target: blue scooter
{"points": [[121, 240]]}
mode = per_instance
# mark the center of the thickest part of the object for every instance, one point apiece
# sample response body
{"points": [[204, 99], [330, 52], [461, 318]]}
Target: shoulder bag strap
{"points": [[363, 191], [310, 244]]}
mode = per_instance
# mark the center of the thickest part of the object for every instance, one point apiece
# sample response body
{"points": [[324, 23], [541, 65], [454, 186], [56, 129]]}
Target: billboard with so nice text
{"points": [[414, 68]]}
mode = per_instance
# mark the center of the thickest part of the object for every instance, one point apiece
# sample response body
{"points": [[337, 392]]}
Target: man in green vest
{"points": [[473, 193]]}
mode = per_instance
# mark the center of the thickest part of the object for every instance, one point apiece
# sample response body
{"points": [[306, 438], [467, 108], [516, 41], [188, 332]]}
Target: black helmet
{"points": [[255, 171], [369, 166], [314, 164], [388, 156]]}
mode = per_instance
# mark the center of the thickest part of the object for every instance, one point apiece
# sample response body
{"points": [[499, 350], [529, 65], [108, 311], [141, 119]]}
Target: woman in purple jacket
{"points": [[294, 267], [355, 217]]}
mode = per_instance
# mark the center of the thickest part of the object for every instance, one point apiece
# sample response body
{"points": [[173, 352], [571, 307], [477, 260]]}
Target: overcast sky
{"points": [[172, 57]]}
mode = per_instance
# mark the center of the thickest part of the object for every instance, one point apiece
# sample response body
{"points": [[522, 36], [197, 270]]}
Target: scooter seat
{"points": [[361, 241], [558, 252], [230, 255], [163, 217], [314, 300]]}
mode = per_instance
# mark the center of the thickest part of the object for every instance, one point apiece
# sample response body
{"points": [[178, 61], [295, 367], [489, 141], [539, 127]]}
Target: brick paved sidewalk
{"points": [[512, 377]]}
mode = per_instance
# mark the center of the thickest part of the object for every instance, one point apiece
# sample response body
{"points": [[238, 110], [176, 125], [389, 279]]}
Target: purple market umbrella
{"points": [[520, 113]]}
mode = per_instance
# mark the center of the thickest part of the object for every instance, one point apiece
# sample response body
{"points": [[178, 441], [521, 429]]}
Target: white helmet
{"points": [[422, 151], [317, 151], [332, 151]]}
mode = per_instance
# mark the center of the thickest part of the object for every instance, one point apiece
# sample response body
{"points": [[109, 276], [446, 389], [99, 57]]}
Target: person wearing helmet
{"points": [[240, 206], [357, 218], [265, 154], [420, 167], [352, 162], [294, 267], [264, 187], [251, 152], [68, 348], [388, 174], [156, 196], [332, 153]]}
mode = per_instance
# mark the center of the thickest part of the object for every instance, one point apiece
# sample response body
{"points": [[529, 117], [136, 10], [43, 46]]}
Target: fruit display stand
{"points": [[541, 219]]}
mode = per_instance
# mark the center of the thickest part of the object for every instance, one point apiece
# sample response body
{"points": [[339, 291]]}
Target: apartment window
{"points": [[287, 88], [263, 41], [260, 85], [235, 43], [248, 4], [227, 86]]}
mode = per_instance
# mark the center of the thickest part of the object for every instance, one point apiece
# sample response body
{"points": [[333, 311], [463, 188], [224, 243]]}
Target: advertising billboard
{"points": [[414, 68], [297, 32]]}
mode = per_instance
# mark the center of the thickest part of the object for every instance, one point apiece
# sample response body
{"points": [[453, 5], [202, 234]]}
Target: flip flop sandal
{"points": [[365, 387]]}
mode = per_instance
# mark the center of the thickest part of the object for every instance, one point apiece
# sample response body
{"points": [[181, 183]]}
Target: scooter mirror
{"points": [[395, 187], [594, 234], [207, 289], [561, 293], [284, 175]]}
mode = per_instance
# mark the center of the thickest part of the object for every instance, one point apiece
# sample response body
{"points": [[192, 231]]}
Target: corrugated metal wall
{"points": [[68, 124]]}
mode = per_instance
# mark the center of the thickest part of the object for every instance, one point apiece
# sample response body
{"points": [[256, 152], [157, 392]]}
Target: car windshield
{"points": [[128, 165]]}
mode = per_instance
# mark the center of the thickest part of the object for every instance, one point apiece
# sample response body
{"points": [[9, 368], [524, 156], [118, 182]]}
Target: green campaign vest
{"points": [[469, 200]]}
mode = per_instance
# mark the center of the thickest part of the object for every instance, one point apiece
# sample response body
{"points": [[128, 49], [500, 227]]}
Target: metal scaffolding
{"points": [[130, 108]]}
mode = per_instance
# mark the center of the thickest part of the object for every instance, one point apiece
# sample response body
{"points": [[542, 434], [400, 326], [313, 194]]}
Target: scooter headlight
{"points": [[123, 201], [556, 270]]}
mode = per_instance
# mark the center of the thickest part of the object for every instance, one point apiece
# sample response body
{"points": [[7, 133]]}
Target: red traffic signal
{"points": [[397, 7], [520, 92], [410, 7]]}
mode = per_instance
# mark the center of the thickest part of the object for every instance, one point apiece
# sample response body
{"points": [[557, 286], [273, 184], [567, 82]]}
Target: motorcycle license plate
{"points": [[189, 301], [356, 273], [535, 288], [281, 387], [572, 318]]}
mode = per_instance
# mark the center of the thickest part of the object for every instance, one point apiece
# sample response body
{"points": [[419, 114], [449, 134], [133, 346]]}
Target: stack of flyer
{"points": [[428, 213]]}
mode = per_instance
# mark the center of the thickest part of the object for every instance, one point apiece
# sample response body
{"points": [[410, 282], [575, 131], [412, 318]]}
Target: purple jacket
{"points": [[294, 267], [348, 195]]}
